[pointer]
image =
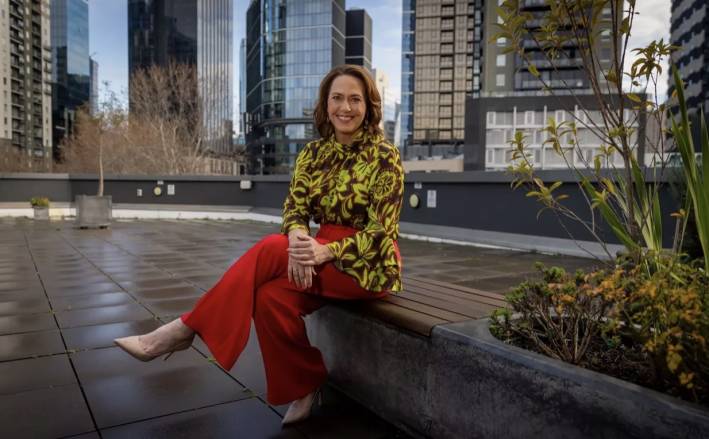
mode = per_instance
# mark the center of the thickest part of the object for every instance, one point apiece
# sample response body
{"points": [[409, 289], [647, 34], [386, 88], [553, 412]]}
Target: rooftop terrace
{"points": [[66, 293]]}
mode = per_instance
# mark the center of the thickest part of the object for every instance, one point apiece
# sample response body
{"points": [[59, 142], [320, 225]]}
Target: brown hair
{"points": [[373, 101]]}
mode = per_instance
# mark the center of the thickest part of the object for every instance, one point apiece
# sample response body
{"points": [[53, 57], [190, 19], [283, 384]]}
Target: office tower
{"points": [[511, 99], [25, 68], [390, 105], [441, 50], [358, 38], [290, 46], [192, 32], [242, 86], [71, 75], [93, 97], [408, 38], [689, 25]]}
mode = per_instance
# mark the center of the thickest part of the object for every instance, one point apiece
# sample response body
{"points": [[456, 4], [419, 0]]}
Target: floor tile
{"points": [[67, 303], [35, 373], [26, 323], [120, 389], [103, 287], [28, 306], [101, 336], [249, 418], [170, 306], [45, 413], [30, 344], [106, 314]]}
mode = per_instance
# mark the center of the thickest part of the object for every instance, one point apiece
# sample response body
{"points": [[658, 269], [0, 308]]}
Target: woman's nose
{"points": [[347, 106]]}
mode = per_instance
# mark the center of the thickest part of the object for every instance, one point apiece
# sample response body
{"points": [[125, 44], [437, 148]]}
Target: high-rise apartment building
{"points": [[290, 46], [358, 38], [441, 54], [193, 32], [390, 105], [690, 32], [25, 69], [71, 75], [511, 99], [93, 97]]}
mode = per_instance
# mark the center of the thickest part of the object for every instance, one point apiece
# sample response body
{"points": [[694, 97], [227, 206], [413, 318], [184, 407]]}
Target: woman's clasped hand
{"points": [[304, 254]]}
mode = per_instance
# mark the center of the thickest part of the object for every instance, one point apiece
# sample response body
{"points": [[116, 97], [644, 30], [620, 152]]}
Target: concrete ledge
{"points": [[462, 382]]}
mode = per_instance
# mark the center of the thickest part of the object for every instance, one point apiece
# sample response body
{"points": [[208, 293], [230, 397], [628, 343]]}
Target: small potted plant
{"points": [[41, 207]]}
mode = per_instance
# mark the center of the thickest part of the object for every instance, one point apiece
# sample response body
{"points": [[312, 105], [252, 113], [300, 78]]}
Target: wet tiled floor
{"points": [[65, 294]]}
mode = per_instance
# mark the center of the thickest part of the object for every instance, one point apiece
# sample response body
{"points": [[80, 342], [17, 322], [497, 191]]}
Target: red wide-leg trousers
{"points": [[257, 286]]}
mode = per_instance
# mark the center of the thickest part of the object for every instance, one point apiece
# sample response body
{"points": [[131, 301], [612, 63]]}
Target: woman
{"points": [[351, 182]]}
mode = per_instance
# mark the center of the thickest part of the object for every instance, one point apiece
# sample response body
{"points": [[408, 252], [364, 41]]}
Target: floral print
{"points": [[360, 186]]}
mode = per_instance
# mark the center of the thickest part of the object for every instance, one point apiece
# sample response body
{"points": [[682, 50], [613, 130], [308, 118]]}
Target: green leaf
{"points": [[533, 70]]}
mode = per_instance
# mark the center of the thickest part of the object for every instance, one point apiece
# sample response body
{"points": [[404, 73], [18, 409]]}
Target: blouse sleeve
{"points": [[369, 255], [295, 208]]}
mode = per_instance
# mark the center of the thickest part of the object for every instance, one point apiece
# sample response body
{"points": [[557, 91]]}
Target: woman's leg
{"points": [[293, 367], [222, 317]]}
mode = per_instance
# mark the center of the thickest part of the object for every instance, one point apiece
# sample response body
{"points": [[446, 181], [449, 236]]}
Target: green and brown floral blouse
{"points": [[360, 186]]}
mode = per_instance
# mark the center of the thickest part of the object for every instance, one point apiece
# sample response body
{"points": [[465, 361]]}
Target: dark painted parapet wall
{"points": [[473, 200]]}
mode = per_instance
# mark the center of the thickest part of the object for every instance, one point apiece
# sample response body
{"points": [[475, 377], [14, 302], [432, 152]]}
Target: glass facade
{"points": [[690, 21], [358, 43], [407, 72], [71, 76], [290, 46], [195, 32]]}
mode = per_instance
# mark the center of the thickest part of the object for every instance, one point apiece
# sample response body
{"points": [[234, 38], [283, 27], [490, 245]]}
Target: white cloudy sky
{"points": [[108, 37]]}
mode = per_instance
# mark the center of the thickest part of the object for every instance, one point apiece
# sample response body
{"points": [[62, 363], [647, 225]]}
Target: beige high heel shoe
{"points": [[133, 346], [301, 409]]}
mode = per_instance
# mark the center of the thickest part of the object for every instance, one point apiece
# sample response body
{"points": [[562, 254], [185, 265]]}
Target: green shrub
{"points": [[39, 201], [654, 327]]}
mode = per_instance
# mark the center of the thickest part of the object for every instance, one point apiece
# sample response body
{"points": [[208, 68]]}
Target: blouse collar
{"points": [[359, 138]]}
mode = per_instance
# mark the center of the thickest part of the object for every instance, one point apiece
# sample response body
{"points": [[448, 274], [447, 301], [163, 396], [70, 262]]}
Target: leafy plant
{"points": [[560, 314], [39, 202], [667, 313], [621, 195], [696, 178]]}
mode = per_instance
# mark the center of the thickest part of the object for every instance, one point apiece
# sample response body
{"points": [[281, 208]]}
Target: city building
{"points": [[25, 87], [93, 97], [441, 57], [290, 46], [71, 73], [192, 32], [242, 87], [358, 38], [510, 98], [390, 105], [688, 31]]}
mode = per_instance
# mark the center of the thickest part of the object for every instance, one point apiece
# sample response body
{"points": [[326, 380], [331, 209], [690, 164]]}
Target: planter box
{"points": [[41, 213], [464, 383], [93, 211]]}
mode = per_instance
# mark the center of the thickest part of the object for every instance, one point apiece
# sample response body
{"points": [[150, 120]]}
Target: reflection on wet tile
{"points": [[249, 418], [106, 314], [45, 413], [30, 344], [37, 373], [101, 336]]}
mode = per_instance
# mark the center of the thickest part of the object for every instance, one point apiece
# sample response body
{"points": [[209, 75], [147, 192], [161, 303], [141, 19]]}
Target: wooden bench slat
{"points": [[456, 287], [467, 309], [399, 316], [452, 295], [446, 315], [451, 303]]}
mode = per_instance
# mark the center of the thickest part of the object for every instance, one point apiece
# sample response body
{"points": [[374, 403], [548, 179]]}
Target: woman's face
{"points": [[346, 106]]}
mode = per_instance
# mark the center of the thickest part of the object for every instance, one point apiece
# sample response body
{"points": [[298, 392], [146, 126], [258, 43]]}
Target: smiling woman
{"points": [[350, 182]]}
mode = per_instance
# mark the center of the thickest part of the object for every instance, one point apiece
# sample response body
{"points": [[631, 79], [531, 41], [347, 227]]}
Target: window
{"points": [[502, 41], [501, 60], [500, 80], [490, 118], [529, 117]]}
